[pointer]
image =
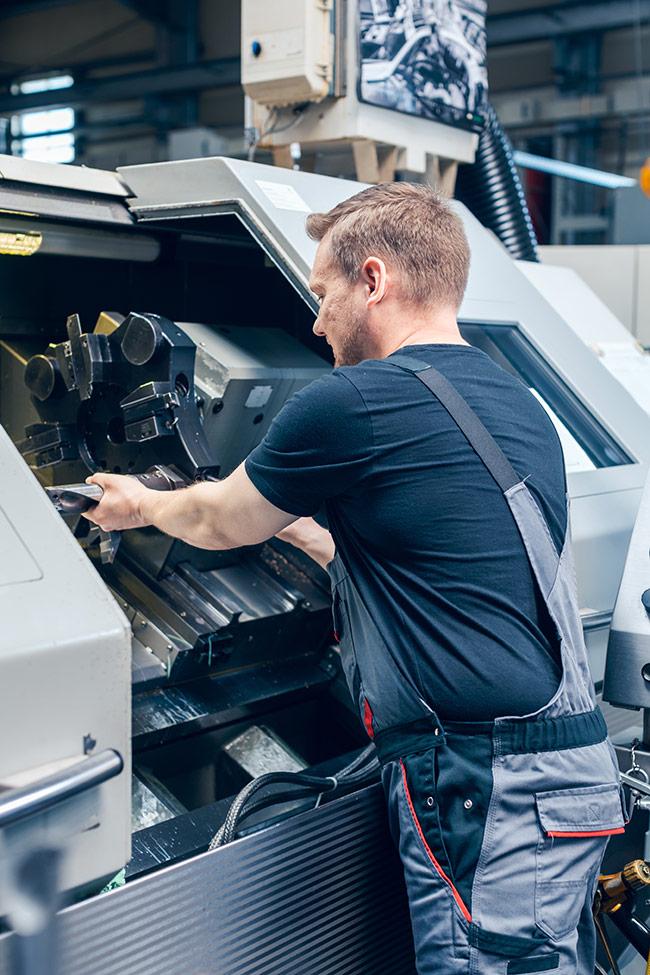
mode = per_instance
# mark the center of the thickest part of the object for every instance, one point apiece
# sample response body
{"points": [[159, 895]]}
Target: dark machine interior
{"points": [[204, 268]]}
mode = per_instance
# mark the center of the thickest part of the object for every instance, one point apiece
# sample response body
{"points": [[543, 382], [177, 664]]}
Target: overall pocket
{"points": [[574, 828], [420, 793]]}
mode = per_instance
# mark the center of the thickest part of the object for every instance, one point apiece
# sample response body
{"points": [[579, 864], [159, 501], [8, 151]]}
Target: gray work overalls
{"points": [[501, 825]]}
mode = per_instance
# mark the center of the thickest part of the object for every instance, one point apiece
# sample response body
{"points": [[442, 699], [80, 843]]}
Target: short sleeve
{"points": [[317, 447]]}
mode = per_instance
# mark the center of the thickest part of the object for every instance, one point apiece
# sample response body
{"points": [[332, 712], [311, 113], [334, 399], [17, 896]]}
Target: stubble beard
{"points": [[353, 348]]}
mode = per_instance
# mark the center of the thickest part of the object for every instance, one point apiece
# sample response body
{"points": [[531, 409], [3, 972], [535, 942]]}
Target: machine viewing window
{"points": [[586, 444]]}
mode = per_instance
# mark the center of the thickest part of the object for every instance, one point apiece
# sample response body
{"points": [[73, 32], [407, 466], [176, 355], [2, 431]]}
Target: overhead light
{"points": [[22, 245], [583, 174], [69, 240]]}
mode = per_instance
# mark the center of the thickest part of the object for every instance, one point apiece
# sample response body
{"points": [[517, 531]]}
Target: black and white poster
{"points": [[425, 58]]}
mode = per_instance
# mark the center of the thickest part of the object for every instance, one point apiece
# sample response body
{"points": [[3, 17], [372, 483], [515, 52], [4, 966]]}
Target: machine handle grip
{"points": [[28, 800], [161, 478], [72, 499]]}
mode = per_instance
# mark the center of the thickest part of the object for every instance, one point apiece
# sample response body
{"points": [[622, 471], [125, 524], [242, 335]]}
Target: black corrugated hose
{"points": [[492, 190], [363, 769]]}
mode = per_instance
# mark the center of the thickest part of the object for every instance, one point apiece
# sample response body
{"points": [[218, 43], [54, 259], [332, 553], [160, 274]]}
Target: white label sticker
{"points": [[258, 396], [283, 196]]}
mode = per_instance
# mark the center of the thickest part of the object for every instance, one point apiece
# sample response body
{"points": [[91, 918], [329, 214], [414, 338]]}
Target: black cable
{"points": [[492, 190], [226, 833], [229, 831], [353, 773], [368, 752], [274, 799]]}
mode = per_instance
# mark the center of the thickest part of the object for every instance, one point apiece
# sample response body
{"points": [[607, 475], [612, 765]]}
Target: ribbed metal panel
{"points": [[321, 894]]}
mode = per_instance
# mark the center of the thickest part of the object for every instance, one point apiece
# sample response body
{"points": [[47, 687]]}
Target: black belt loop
{"points": [[409, 739]]}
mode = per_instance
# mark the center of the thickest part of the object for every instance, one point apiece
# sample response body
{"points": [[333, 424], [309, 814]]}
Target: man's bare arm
{"points": [[211, 515], [307, 535]]}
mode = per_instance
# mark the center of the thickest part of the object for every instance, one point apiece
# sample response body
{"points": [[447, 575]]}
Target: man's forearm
{"points": [[315, 541], [191, 515], [212, 515], [188, 514], [320, 548]]}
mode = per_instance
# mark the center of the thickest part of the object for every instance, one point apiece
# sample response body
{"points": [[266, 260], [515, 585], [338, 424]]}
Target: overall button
{"points": [[468, 804]]}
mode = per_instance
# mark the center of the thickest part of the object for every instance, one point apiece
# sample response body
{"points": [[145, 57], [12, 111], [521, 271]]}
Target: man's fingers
{"points": [[117, 509], [89, 515], [103, 480]]}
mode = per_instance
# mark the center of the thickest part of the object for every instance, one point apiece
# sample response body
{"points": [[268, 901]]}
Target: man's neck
{"points": [[440, 329]]}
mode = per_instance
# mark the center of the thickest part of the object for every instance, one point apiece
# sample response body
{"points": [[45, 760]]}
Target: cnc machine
{"points": [[161, 316]]}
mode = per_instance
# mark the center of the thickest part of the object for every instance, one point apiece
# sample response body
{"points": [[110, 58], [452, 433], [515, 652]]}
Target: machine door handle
{"points": [[28, 800]]}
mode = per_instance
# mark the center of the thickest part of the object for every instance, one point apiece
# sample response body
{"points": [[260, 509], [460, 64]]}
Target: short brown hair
{"points": [[411, 226]]}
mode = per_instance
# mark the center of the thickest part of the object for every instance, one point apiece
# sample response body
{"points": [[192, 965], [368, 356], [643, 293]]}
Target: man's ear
{"points": [[375, 278]]}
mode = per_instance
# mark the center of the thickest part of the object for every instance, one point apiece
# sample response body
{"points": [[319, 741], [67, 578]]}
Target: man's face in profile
{"points": [[343, 316]]}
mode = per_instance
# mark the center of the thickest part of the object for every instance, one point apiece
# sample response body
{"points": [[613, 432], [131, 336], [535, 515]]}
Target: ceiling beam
{"points": [[77, 69], [200, 76], [152, 10], [15, 8], [548, 23]]}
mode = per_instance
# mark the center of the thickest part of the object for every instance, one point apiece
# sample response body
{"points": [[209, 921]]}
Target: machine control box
{"points": [[287, 51]]}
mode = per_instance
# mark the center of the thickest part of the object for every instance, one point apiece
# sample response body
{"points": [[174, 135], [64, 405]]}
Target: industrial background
{"points": [[105, 83]]}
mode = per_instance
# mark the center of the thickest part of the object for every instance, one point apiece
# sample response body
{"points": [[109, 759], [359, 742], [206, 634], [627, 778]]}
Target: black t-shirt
{"points": [[422, 528]]}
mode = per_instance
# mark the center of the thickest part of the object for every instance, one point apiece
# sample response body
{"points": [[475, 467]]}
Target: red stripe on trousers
{"points": [[439, 870], [595, 832]]}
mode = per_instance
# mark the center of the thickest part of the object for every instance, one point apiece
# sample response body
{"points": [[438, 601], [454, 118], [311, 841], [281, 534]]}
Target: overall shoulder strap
{"points": [[481, 441]]}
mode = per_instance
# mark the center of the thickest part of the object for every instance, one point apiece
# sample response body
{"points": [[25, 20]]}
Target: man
{"points": [[453, 589]]}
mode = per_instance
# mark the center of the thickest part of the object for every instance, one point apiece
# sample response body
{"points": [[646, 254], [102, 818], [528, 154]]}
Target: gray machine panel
{"points": [[65, 642], [627, 677], [244, 376], [17, 564], [77, 178], [318, 894], [273, 203], [32, 189]]}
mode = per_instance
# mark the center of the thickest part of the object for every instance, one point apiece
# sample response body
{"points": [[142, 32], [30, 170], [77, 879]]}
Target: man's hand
{"points": [[307, 535], [122, 504]]}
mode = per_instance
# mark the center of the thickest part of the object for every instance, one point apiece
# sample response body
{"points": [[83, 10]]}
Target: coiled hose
{"points": [[492, 190], [363, 768]]}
